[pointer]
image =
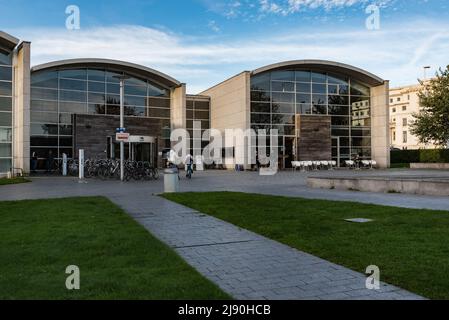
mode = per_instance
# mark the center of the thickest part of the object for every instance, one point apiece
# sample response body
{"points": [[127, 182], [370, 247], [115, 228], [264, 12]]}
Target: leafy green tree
{"points": [[432, 122]]}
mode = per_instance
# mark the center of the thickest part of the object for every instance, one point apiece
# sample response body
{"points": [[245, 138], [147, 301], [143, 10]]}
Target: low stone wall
{"points": [[383, 185], [436, 166]]}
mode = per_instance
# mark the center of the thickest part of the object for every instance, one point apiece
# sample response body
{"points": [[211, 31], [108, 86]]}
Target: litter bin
{"points": [[171, 181]]}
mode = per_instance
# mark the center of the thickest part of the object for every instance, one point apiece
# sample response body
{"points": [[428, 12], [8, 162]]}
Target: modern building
{"points": [[323, 110], [404, 103]]}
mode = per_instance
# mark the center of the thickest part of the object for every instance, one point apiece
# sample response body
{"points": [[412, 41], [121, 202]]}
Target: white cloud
{"points": [[396, 53]]}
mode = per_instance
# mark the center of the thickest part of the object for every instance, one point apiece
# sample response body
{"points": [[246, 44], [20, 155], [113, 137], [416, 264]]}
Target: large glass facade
{"points": [[56, 95], [6, 93], [197, 110], [277, 96]]}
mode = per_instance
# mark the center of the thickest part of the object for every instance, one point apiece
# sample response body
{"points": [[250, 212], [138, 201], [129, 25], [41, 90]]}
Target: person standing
{"points": [[33, 162]]}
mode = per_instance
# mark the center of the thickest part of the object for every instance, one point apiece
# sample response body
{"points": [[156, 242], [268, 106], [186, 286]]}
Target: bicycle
{"points": [[189, 171]]}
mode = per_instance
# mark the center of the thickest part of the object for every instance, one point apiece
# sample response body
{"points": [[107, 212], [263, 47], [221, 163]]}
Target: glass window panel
{"points": [[361, 142], [283, 119], [283, 108], [5, 150], [283, 86], [203, 105], [337, 79], [5, 58], [135, 101], [361, 121], [6, 73], [5, 104], [137, 91], [260, 96], [65, 130], [96, 87], [113, 110], [283, 97], [72, 107], [44, 141], [340, 132], [344, 141], [333, 89], [159, 113], [113, 99], [189, 114], [45, 79], [5, 135], [138, 111], [96, 75], [358, 89], [260, 107], [283, 75], [67, 151], [42, 105], [319, 77], [5, 165], [260, 118], [136, 82], [360, 101], [339, 100], [44, 94], [73, 85], [343, 89], [75, 96], [5, 119], [202, 115], [154, 91], [319, 88], [159, 102], [189, 124], [65, 141], [319, 99], [97, 98], [261, 82], [285, 130], [44, 117], [189, 104], [361, 132], [65, 118], [80, 74], [113, 88], [303, 76], [5, 88], [97, 109], [303, 98], [319, 109], [340, 121], [304, 108], [112, 77], [40, 129], [303, 87], [338, 110]]}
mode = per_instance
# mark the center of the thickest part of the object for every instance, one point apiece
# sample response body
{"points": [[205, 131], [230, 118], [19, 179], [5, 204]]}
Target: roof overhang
{"points": [[7, 41], [325, 66], [122, 66]]}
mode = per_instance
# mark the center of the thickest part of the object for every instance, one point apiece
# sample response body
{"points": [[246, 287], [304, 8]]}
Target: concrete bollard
{"points": [[171, 181]]}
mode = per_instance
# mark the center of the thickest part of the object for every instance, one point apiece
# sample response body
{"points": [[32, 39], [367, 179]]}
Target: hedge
{"points": [[420, 156]]}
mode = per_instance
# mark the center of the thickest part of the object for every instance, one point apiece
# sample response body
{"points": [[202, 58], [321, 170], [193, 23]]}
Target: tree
{"points": [[432, 122]]}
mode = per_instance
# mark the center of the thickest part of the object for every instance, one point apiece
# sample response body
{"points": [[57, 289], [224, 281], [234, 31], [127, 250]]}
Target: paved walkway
{"points": [[244, 264]]}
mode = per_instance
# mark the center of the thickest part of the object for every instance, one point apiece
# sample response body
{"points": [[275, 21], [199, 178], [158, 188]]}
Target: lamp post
{"points": [[122, 79], [425, 72]]}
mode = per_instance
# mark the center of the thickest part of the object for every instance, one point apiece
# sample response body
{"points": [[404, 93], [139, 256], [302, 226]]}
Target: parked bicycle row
{"points": [[110, 169]]}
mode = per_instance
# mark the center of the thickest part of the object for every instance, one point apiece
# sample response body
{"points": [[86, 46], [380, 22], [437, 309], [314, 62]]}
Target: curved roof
{"points": [[127, 67], [7, 41], [325, 66]]}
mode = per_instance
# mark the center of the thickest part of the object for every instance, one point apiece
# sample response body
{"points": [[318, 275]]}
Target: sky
{"points": [[203, 42]]}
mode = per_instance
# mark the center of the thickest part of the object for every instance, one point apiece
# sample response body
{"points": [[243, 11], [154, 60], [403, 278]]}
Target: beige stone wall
{"points": [[380, 125], [21, 130], [230, 107], [178, 107]]}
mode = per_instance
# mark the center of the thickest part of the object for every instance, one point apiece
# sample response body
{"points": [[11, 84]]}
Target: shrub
{"points": [[420, 156]]}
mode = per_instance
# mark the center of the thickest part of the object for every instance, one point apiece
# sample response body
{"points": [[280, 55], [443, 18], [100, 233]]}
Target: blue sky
{"points": [[202, 42]]}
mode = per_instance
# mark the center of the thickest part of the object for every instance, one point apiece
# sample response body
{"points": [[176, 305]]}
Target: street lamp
{"points": [[122, 79], [425, 72]]}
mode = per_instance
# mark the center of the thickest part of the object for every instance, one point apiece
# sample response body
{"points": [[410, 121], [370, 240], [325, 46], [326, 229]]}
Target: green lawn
{"points": [[411, 247], [118, 259], [4, 181]]}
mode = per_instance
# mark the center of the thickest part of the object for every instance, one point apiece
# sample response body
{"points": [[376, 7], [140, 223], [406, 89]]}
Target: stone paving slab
{"points": [[247, 265]]}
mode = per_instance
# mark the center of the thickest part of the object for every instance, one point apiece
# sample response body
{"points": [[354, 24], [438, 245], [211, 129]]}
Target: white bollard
{"points": [[81, 164], [64, 164]]}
